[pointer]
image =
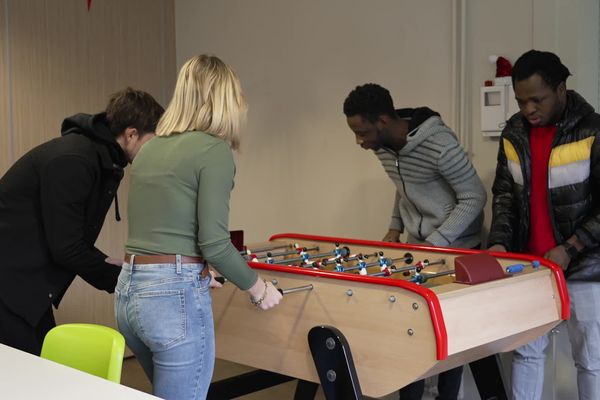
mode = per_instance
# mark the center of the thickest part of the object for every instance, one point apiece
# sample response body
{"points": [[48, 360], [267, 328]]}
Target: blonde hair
{"points": [[208, 97]]}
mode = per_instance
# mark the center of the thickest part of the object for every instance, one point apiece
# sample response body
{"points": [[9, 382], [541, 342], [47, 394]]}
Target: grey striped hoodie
{"points": [[439, 196]]}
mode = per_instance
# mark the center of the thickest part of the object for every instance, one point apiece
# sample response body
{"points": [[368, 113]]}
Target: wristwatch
{"points": [[570, 249]]}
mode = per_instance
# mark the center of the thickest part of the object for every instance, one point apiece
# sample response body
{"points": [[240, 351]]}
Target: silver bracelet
{"points": [[259, 301]]}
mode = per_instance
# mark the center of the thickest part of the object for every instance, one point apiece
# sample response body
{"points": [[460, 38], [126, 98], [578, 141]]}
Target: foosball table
{"points": [[366, 317]]}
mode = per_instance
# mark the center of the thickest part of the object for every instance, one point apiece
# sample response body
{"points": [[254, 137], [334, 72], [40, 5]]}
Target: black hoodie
{"points": [[53, 202], [96, 128]]}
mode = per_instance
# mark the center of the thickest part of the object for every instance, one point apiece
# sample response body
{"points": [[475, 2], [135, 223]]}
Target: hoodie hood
{"points": [[422, 123], [416, 116], [96, 128]]}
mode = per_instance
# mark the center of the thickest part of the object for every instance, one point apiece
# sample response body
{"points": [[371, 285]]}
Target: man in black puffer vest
{"points": [[53, 202], [547, 203]]}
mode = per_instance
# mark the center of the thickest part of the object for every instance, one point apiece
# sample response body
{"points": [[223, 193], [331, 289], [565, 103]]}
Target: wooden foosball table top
{"points": [[398, 331]]}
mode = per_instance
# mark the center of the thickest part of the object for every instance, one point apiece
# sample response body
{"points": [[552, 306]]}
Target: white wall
{"points": [[300, 170], [501, 28], [570, 28]]}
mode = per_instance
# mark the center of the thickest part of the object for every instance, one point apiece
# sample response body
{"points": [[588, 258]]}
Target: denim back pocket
{"points": [[161, 317]]}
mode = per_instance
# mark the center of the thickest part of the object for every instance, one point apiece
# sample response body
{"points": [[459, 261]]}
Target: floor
{"points": [[559, 383], [133, 376]]}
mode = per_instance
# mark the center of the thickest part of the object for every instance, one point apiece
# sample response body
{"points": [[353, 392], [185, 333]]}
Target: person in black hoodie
{"points": [[53, 202]]}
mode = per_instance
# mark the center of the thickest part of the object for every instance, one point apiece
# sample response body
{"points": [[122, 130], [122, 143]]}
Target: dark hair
{"points": [[132, 108], [547, 65], [369, 101]]}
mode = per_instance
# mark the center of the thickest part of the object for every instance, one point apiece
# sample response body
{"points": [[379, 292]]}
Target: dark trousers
{"points": [[16, 332], [488, 378], [486, 374], [448, 386]]}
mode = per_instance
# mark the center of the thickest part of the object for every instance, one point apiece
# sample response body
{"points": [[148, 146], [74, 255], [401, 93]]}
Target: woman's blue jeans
{"points": [[164, 312]]}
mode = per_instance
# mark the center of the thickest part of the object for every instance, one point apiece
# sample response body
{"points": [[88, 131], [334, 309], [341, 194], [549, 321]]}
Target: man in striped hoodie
{"points": [[439, 197]]}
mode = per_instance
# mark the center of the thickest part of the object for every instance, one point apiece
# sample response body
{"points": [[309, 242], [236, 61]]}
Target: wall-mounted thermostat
{"points": [[498, 104]]}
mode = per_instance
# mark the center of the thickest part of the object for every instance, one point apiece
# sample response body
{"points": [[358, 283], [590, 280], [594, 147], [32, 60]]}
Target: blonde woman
{"points": [[178, 222]]}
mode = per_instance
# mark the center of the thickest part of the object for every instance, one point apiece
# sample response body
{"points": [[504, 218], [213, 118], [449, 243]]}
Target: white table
{"points": [[25, 376]]}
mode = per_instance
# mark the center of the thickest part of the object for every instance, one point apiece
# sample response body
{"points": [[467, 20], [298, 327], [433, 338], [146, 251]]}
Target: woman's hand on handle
{"points": [[214, 283], [264, 295]]}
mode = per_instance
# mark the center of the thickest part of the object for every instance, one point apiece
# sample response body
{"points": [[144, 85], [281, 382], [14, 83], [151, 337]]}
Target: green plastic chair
{"points": [[95, 349]]}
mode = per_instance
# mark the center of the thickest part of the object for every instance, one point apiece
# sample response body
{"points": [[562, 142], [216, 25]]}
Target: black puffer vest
{"points": [[573, 186]]}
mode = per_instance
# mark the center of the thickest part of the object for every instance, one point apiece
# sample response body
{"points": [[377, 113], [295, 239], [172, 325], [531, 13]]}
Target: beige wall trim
{"points": [[460, 122], [7, 89]]}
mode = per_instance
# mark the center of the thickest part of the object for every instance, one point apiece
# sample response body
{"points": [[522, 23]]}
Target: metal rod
{"points": [[283, 253], [406, 268], [356, 257], [287, 253], [344, 251], [287, 261], [295, 289], [268, 248], [408, 258], [387, 272], [393, 270], [422, 278], [223, 280], [427, 263]]}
